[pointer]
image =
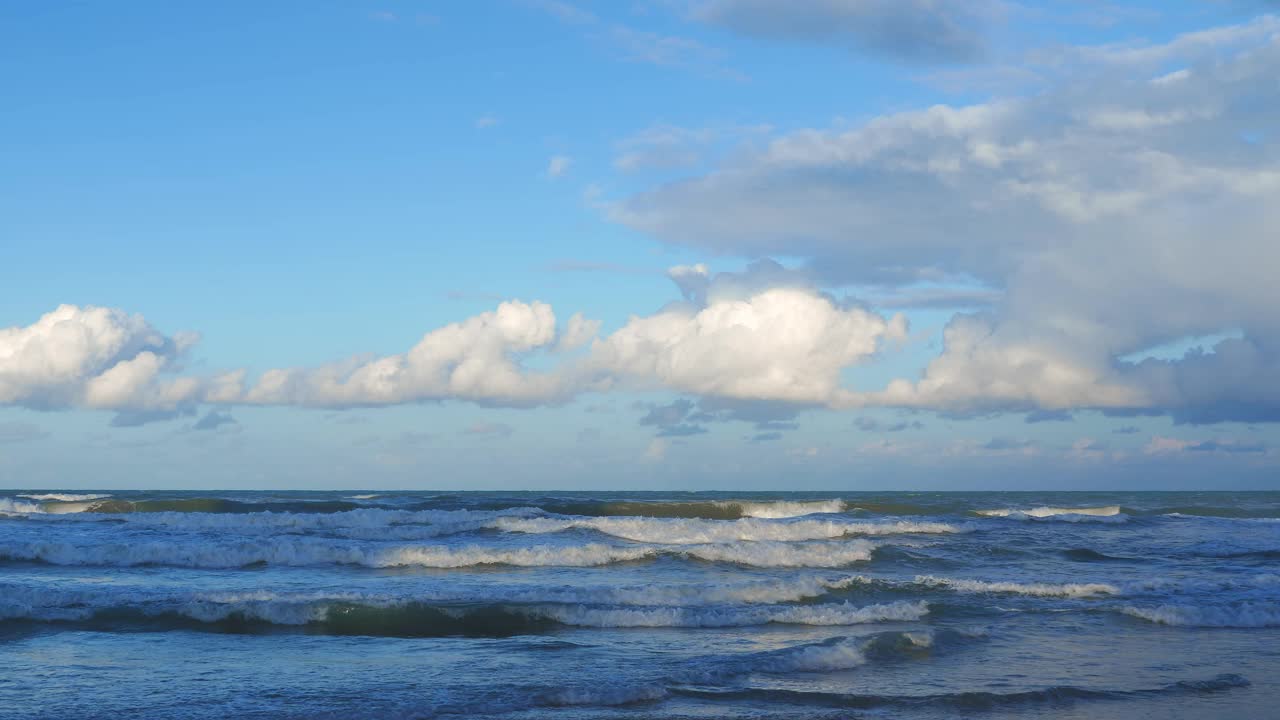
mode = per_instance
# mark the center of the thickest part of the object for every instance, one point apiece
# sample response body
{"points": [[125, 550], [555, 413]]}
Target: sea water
{"points": [[638, 605]]}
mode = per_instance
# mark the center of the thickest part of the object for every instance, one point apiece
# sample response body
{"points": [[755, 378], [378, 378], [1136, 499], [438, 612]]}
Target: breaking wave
{"points": [[1249, 614], [1067, 590], [63, 497], [352, 614], [1109, 513], [696, 531], [711, 510], [305, 551]]}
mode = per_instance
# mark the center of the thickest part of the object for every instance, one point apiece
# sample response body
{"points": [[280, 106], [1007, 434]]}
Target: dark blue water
{"points": [[635, 605]]}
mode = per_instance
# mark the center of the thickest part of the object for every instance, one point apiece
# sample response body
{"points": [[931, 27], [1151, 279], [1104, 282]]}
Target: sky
{"points": [[645, 244]]}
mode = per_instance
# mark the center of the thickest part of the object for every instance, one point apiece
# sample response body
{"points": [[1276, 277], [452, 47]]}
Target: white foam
{"points": [[9, 506], [681, 531], [841, 655], [1071, 590], [790, 508], [1106, 511], [773, 554], [364, 523], [1241, 615], [537, 556], [824, 614], [64, 497], [311, 551]]}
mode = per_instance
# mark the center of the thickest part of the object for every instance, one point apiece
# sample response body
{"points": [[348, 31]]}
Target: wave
{"points": [[1220, 513], [9, 506], [1109, 513], [1249, 614], [1091, 555], [676, 531], [354, 615], [311, 552], [774, 555], [63, 497], [59, 603], [307, 551], [709, 509], [960, 701], [610, 696], [681, 617], [1068, 590]]}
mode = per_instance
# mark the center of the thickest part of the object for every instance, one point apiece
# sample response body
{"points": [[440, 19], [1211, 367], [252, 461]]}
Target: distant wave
{"points": [[64, 497], [1249, 614], [1068, 590], [301, 551], [1109, 513], [695, 531], [60, 603], [367, 616], [960, 701], [707, 509]]}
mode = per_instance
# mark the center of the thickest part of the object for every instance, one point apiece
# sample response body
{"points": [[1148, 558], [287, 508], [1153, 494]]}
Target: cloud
{"points": [[682, 430], [213, 420], [668, 147], [558, 165], [766, 437], [636, 45], [1161, 445], [577, 332], [477, 359], [21, 432], [1040, 416], [97, 358], [910, 31], [867, 424], [487, 121], [667, 415], [786, 344], [1127, 430], [1116, 208]]}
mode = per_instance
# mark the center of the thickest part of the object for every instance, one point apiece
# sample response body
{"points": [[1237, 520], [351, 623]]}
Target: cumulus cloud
{"points": [[786, 344], [1120, 207], [913, 31], [99, 358], [477, 359]]}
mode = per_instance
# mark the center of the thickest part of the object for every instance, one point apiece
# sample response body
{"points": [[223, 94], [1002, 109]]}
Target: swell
{"points": [[1245, 614], [306, 552], [962, 701], [423, 619], [679, 531], [709, 510]]}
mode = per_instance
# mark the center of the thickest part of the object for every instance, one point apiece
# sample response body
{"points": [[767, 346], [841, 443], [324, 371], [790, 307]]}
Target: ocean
{"points": [[569, 605]]}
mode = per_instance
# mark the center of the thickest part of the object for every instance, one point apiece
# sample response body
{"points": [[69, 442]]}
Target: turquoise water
{"points": [[638, 605]]}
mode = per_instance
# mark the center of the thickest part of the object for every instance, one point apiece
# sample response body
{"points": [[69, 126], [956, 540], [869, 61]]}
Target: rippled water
{"points": [[631, 605]]}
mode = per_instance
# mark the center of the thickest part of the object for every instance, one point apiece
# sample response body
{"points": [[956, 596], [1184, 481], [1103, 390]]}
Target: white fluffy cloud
{"points": [[476, 359], [787, 344], [93, 357], [1130, 202]]}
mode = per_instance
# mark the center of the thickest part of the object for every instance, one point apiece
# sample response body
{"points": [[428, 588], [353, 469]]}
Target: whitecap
{"points": [[1240, 615]]}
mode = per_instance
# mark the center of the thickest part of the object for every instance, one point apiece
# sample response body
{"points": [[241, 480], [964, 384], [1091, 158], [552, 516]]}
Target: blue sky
{"points": [[741, 244]]}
